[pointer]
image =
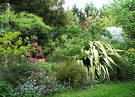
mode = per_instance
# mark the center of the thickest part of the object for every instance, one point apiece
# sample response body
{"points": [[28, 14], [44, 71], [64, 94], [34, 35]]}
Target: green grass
{"points": [[113, 89]]}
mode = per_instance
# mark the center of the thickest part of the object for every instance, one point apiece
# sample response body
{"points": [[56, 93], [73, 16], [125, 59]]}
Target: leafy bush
{"points": [[124, 12], [72, 18], [95, 25], [48, 67], [11, 46], [29, 25], [61, 88], [29, 77], [128, 43], [69, 30], [6, 90], [130, 54], [71, 73]]}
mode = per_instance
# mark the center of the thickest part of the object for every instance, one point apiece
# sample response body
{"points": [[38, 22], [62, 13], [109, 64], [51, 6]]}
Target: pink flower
{"points": [[37, 49], [28, 50], [30, 58], [35, 59], [35, 44], [40, 53], [31, 53]]}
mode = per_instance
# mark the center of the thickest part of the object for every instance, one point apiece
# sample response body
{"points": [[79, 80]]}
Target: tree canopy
{"points": [[51, 11]]}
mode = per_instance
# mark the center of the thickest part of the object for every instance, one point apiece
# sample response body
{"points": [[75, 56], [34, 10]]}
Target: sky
{"points": [[81, 3]]}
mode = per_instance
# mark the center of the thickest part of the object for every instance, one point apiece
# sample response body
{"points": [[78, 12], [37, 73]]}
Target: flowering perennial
{"points": [[35, 52]]}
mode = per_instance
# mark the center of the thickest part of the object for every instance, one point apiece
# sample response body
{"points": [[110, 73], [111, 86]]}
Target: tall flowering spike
{"points": [[35, 44]]}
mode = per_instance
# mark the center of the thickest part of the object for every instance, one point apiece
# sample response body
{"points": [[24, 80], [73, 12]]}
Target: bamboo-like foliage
{"points": [[103, 57]]}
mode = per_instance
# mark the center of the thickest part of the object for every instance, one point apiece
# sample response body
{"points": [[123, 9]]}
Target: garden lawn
{"points": [[113, 89]]}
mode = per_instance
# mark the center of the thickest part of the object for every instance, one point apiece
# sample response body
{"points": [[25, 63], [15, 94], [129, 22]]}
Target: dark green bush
{"points": [[123, 72], [6, 90], [19, 73], [123, 45]]}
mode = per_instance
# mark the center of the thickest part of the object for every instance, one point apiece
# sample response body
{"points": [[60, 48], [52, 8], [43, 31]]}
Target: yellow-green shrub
{"points": [[11, 46], [130, 54]]}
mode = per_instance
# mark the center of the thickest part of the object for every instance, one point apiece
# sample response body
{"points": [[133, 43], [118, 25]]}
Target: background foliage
{"points": [[29, 25], [51, 11]]}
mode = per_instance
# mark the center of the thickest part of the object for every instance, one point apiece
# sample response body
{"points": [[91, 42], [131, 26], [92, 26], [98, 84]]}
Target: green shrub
{"points": [[6, 90], [123, 45], [70, 73], [130, 55], [28, 24], [11, 48], [72, 18], [61, 88], [48, 67], [31, 78]]}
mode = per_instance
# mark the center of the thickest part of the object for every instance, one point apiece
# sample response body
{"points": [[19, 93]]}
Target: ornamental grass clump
{"points": [[103, 59], [70, 73]]}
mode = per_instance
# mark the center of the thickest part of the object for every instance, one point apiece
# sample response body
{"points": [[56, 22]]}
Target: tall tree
{"points": [[51, 11], [79, 13], [88, 8]]}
